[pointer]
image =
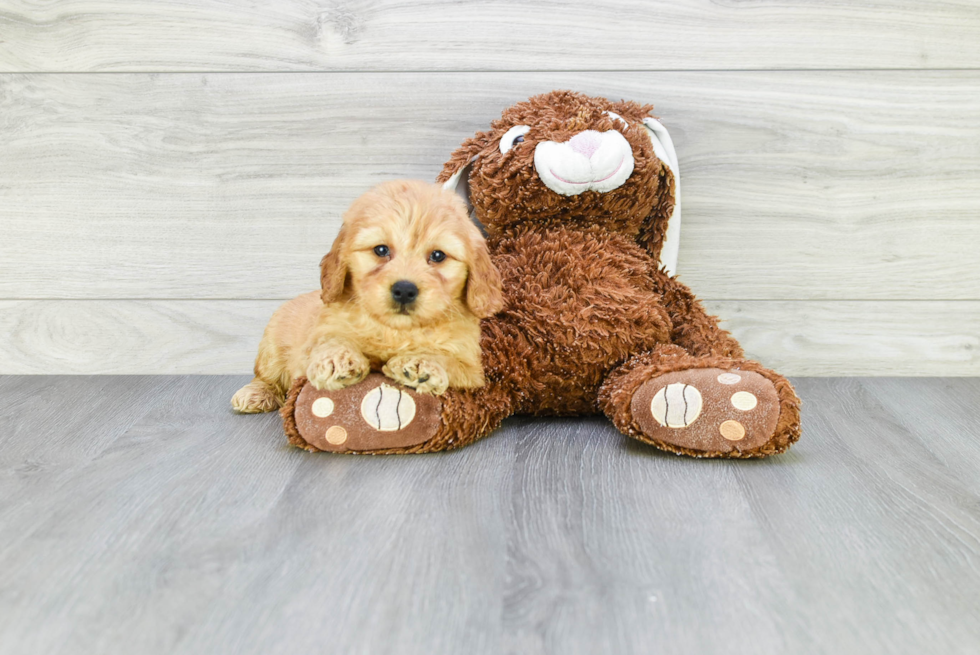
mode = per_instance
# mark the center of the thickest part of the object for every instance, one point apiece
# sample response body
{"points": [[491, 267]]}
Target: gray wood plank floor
{"points": [[139, 515]]}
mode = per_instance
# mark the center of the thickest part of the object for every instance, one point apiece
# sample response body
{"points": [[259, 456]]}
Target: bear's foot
{"points": [[708, 410], [375, 415]]}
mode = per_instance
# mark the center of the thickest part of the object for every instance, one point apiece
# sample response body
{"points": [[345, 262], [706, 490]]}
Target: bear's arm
{"points": [[693, 328]]}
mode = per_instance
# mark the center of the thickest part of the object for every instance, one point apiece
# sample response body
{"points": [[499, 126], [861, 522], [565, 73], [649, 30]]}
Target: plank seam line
{"points": [[354, 71]]}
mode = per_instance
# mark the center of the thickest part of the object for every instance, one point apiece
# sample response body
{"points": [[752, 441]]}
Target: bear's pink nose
{"points": [[586, 143]]}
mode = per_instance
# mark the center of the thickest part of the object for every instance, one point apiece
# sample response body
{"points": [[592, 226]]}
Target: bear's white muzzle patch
{"points": [[589, 161]]}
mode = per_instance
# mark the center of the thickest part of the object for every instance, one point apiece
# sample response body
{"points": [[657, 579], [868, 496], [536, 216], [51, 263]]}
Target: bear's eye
{"points": [[382, 251], [512, 137], [617, 117], [437, 256]]}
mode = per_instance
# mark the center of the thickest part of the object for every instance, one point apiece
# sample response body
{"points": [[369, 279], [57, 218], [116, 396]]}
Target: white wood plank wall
{"points": [[171, 171]]}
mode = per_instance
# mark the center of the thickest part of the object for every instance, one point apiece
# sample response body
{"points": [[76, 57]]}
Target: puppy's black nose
{"points": [[404, 292]]}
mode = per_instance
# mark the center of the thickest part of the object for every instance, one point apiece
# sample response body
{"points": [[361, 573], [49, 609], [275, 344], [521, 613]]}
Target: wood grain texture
{"points": [[142, 516], [131, 336], [851, 185], [870, 338], [141, 35], [220, 337]]}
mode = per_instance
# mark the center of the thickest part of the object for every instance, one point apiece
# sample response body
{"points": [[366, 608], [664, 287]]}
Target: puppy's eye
{"points": [[437, 256], [617, 118], [512, 137], [382, 251]]}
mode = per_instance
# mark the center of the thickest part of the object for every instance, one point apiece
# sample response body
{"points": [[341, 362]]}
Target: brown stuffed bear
{"points": [[575, 197]]}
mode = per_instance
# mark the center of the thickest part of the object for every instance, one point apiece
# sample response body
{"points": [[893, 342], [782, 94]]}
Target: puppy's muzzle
{"points": [[404, 293]]}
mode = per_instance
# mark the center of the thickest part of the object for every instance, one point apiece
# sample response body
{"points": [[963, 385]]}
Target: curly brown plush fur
{"points": [[590, 317]]}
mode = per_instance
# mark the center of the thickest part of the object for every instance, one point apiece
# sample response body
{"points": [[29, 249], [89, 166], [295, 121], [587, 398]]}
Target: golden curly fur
{"points": [[393, 233]]}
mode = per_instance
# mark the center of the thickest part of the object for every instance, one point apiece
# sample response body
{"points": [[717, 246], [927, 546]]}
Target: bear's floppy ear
{"points": [[333, 269], [661, 231], [455, 173]]}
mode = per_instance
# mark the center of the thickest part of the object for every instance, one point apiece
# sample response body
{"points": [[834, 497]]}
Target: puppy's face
{"points": [[408, 255]]}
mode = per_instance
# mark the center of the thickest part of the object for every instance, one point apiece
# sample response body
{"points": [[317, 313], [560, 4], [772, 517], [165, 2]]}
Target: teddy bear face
{"points": [[567, 159]]}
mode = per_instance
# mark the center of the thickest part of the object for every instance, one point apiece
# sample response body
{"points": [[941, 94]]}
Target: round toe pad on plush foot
{"points": [[375, 414], [707, 409]]}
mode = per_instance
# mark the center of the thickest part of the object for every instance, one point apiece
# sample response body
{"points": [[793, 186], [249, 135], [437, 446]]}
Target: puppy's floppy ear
{"points": [[333, 269], [484, 295]]}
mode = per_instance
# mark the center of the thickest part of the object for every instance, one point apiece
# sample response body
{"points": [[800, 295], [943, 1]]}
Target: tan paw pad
{"points": [[335, 435], [732, 430]]}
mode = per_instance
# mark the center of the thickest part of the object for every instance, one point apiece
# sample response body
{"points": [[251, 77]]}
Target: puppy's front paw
{"points": [[336, 367], [423, 375]]}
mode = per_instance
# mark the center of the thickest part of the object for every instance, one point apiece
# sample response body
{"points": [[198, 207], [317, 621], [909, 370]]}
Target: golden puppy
{"points": [[403, 289]]}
